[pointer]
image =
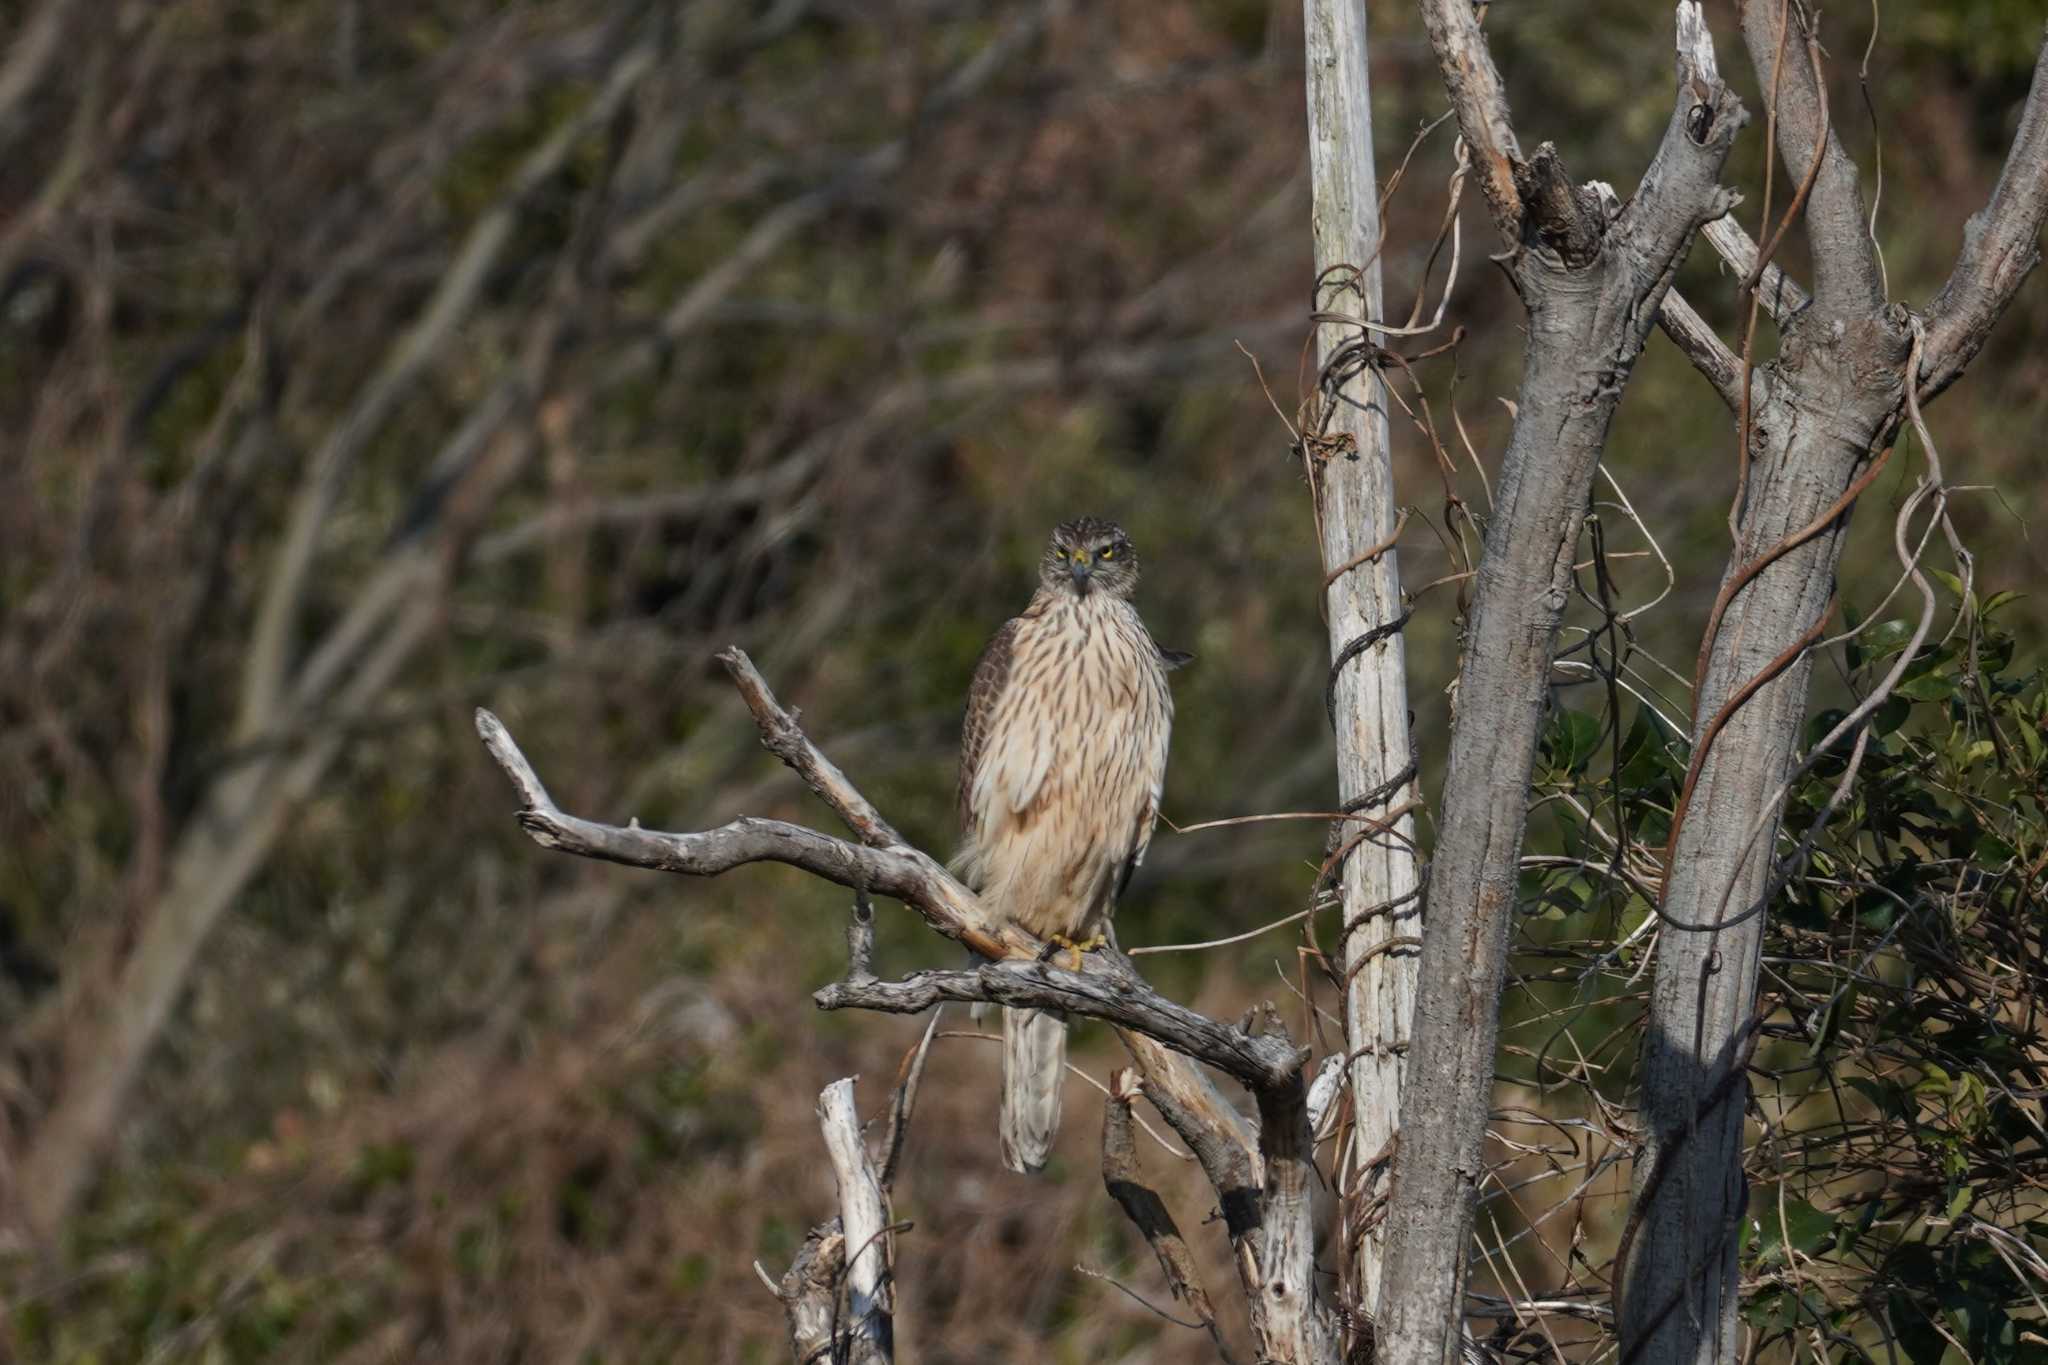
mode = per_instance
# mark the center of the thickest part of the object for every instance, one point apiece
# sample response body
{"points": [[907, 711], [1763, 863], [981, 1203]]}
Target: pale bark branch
{"points": [[1289, 1318], [809, 1291], [1703, 346], [1358, 525], [1262, 1191], [1105, 987], [1846, 278], [2001, 246], [1783, 299], [837, 1315], [902, 873], [1835, 397], [783, 737], [863, 1219], [1110, 993], [1691, 333], [1223, 1140], [1124, 1180], [1481, 100]]}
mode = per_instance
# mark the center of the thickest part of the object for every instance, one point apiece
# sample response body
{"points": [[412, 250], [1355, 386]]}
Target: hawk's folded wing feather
{"points": [[991, 675]]}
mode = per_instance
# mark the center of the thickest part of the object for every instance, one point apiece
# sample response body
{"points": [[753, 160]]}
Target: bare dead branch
{"points": [[809, 1291], [1847, 281], [903, 1102], [1222, 1139], [1703, 346], [1481, 101], [1143, 1206], [782, 737], [863, 1221], [1288, 1317], [837, 1314], [2001, 245], [1782, 298], [1107, 993], [1690, 332], [1270, 1224], [1105, 987], [902, 873]]}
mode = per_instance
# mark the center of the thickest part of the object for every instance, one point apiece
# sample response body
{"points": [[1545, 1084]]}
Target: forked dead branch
{"points": [[1263, 1173]]}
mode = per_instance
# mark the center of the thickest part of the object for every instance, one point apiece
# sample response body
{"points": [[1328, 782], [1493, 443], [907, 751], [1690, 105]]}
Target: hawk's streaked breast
{"points": [[1064, 757]]}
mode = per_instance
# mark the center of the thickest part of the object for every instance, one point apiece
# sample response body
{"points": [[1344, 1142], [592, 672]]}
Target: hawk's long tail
{"points": [[1034, 1063]]}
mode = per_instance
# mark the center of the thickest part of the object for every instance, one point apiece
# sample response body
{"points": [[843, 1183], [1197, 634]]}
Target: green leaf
{"points": [[1927, 687], [1891, 713], [1884, 639], [1574, 736], [1651, 751], [1934, 1082], [1797, 1225], [2000, 599]]}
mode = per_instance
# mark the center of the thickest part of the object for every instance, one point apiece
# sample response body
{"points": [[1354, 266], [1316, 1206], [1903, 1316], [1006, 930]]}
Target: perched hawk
{"points": [[1062, 757]]}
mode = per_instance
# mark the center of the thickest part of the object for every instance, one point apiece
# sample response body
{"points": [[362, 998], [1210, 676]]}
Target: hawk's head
{"points": [[1089, 555]]}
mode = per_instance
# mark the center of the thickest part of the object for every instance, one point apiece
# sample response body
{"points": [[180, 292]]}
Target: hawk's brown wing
{"points": [[991, 675]]}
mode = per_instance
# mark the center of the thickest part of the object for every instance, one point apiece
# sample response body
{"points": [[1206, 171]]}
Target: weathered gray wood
{"points": [[1832, 397], [1289, 1319], [1098, 991], [1846, 275], [1125, 1182], [1593, 289], [809, 1291], [2001, 246], [869, 1330], [1356, 514], [1264, 1194]]}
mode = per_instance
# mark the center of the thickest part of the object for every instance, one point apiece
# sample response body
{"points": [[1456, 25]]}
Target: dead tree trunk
{"points": [[1592, 288], [1832, 399], [1356, 523]]}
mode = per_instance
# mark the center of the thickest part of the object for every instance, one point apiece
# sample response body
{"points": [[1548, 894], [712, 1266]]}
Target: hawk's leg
{"points": [[1086, 945]]}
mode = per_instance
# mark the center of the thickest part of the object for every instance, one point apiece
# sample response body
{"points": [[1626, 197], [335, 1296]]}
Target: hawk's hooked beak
{"points": [[1081, 569]]}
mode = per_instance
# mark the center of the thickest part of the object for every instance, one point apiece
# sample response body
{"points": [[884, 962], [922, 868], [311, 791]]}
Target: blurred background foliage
{"points": [[812, 341]]}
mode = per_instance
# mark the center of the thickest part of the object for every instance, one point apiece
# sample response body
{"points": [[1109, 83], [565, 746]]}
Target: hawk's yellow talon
{"points": [[1076, 948]]}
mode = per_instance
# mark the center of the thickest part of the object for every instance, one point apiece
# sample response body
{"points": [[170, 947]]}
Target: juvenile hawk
{"points": [[1062, 758]]}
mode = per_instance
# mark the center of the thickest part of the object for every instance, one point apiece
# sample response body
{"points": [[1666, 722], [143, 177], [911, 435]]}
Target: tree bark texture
{"points": [[863, 1220], [1356, 516], [1833, 398], [1592, 289]]}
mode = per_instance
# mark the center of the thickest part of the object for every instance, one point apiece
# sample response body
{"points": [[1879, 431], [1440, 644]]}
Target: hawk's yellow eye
{"points": [[1109, 554], [1060, 555]]}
